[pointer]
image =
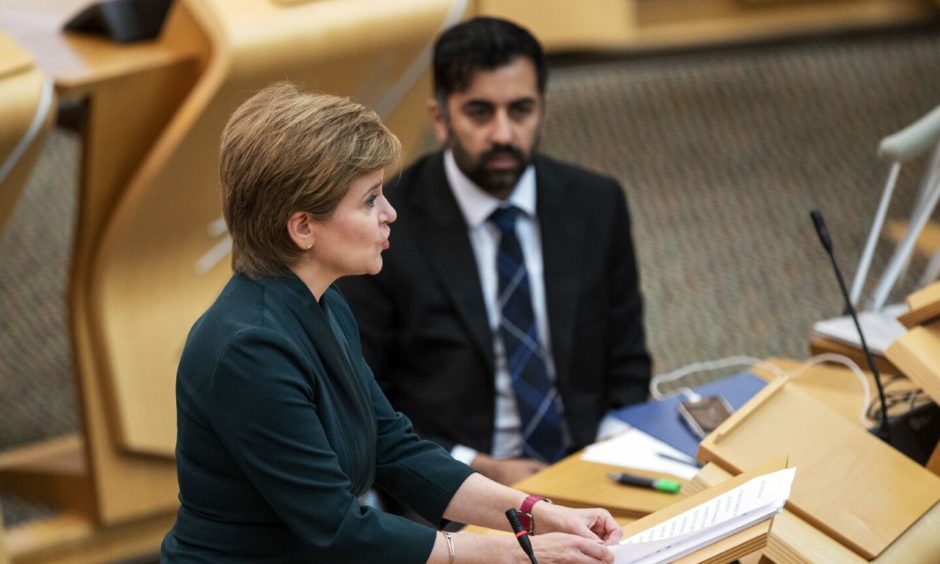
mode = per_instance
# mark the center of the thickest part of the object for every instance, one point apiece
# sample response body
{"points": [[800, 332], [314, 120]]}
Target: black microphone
{"points": [[522, 535], [883, 431]]}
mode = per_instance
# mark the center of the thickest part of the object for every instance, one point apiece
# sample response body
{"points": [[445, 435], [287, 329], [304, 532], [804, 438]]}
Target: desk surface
{"points": [[78, 61], [578, 483]]}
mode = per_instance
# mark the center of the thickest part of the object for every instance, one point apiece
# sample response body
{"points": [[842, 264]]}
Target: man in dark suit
{"points": [[505, 340]]}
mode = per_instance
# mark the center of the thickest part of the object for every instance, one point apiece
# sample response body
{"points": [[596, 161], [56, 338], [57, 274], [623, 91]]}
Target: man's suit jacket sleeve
{"points": [[630, 365]]}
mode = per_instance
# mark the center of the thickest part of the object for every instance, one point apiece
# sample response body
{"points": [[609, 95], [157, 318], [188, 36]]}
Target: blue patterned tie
{"points": [[540, 410]]}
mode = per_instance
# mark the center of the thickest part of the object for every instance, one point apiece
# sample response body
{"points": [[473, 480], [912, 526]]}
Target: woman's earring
{"points": [[309, 245]]}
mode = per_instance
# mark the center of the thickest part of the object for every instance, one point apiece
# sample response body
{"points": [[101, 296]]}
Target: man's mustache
{"points": [[502, 151]]}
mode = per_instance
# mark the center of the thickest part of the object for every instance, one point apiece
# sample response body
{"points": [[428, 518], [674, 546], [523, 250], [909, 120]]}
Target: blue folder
{"points": [[661, 419]]}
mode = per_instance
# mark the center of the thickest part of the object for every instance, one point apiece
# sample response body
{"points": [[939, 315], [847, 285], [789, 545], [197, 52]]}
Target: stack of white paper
{"points": [[636, 449], [880, 328], [717, 518]]}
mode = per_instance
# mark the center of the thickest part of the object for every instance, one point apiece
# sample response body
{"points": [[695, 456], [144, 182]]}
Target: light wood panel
{"points": [[794, 541], [821, 345], [53, 472], [71, 538], [849, 484], [645, 24], [917, 354], [563, 25], [923, 306], [578, 483], [738, 545]]}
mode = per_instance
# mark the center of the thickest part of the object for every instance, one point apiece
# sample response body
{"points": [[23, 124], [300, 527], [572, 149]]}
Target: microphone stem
{"points": [[884, 430]]}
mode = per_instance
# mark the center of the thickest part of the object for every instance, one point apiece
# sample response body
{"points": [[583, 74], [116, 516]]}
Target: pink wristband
{"points": [[525, 512]]}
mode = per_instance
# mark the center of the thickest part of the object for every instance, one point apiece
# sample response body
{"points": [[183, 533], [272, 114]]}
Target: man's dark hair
{"points": [[482, 44]]}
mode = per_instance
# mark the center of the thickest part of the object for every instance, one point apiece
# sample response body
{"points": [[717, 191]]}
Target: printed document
{"points": [[722, 516]]}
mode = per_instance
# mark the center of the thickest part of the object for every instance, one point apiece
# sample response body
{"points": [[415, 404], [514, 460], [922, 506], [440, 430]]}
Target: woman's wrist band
{"points": [[451, 555], [525, 512]]}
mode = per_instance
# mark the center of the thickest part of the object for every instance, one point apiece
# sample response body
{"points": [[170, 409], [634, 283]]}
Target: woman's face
{"points": [[351, 241]]}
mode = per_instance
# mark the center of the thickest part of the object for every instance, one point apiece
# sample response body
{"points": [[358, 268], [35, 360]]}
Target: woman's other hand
{"points": [[593, 524], [553, 548]]}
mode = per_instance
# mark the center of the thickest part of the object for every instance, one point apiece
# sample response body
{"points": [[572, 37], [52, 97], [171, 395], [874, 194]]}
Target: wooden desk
{"points": [[80, 64], [740, 545], [794, 538], [821, 345], [576, 483], [835, 386]]}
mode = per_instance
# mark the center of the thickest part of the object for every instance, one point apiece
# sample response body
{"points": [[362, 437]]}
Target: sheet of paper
{"points": [[709, 522], [881, 329], [636, 449]]}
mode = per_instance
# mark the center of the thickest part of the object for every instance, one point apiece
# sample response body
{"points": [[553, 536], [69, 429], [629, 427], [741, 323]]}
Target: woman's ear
{"points": [[300, 227]]}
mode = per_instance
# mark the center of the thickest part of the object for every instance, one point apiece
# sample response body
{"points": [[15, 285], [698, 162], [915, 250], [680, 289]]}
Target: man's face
{"points": [[493, 127]]}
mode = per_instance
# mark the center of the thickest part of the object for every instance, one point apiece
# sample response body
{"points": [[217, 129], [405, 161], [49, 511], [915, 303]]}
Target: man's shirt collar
{"points": [[476, 205]]}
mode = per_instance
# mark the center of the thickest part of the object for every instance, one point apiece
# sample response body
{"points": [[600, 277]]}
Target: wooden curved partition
{"points": [[162, 255], [27, 112]]}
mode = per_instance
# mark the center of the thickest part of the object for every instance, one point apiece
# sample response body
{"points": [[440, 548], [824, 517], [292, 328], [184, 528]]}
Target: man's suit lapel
{"points": [[442, 235], [562, 229]]}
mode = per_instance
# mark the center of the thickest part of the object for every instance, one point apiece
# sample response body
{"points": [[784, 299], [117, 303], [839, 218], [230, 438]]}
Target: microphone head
{"points": [[821, 230]]}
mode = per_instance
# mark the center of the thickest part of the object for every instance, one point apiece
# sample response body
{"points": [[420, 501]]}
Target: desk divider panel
{"points": [[849, 484]]}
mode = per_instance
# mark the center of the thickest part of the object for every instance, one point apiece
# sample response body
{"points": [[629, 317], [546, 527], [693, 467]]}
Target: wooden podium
{"points": [[728, 549], [851, 489], [917, 352], [710, 483]]}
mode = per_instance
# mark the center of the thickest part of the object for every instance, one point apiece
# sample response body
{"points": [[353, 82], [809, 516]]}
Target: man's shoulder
{"points": [[577, 186], [553, 169], [426, 169]]}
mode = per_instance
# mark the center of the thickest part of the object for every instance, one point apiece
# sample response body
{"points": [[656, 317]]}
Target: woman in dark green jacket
{"points": [[281, 426]]}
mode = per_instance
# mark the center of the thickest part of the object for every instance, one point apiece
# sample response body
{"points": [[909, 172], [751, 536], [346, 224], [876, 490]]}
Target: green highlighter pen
{"points": [[658, 484]]}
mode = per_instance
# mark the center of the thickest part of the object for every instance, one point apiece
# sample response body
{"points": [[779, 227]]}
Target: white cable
{"points": [[39, 117], [749, 361], [848, 363], [727, 362]]}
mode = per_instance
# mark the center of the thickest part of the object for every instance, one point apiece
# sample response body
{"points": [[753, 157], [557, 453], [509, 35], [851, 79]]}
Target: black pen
{"points": [[658, 484], [686, 461]]}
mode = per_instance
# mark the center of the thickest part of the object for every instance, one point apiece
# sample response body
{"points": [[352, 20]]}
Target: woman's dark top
{"points": [[281, 426]]}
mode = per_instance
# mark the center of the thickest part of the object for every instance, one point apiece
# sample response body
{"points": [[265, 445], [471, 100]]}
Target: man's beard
{"points": [[497, 183]]}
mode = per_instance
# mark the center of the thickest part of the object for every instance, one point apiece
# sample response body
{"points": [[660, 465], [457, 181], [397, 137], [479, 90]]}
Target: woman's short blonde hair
{"points": [[285, 151]]}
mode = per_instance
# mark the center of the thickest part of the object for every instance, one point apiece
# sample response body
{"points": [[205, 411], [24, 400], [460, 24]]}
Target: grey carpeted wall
{"points": [[722, 155]]}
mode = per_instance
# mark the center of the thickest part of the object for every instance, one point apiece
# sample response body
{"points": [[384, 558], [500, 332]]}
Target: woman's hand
{"points": [[593, 524], [560, 547]]}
